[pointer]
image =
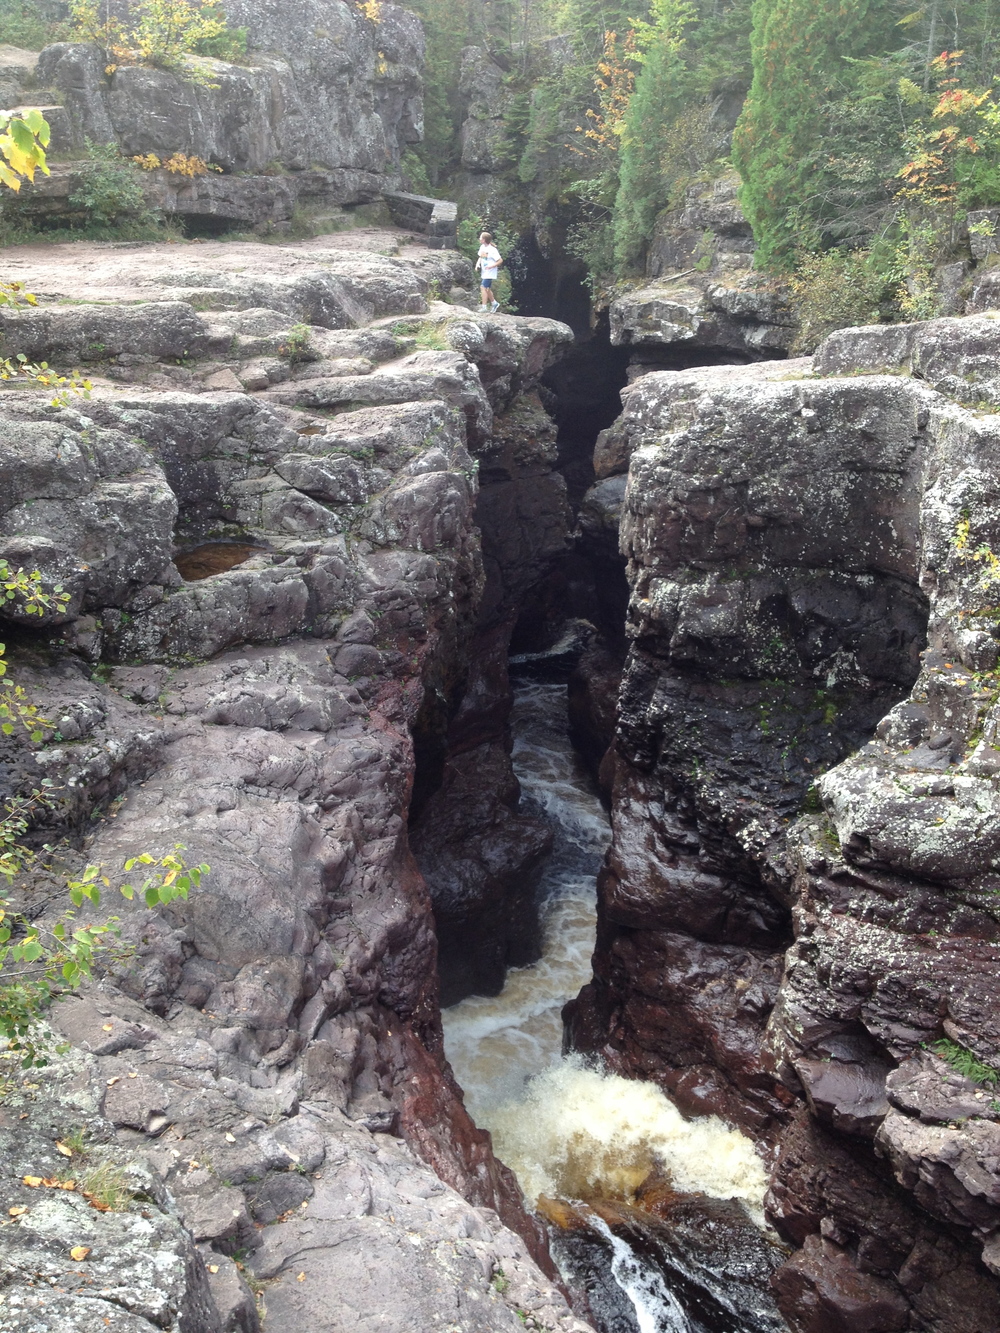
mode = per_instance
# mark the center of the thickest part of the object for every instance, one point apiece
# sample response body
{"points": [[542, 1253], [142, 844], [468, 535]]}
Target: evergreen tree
{"points": [[799, 67], [643, 186]]}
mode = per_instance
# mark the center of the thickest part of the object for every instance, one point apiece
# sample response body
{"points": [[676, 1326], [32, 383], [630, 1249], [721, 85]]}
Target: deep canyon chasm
{"points": [[295, 584]]}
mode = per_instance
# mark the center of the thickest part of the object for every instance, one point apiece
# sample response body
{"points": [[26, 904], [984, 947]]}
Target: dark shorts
{"points": [[486, 282]]}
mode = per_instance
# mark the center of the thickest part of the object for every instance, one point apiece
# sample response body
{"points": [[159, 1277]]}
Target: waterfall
{"points": [[657, 1309]]}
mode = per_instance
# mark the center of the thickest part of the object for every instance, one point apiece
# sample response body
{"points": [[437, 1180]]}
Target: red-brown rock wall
{"points": [[798, 922]]}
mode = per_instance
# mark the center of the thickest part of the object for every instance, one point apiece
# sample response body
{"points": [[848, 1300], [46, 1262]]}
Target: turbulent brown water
{"points": [[570, 1131]]}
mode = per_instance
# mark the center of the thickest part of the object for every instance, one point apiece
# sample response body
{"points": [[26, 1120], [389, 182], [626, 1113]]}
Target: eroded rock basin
{"points": [[201, 562]]}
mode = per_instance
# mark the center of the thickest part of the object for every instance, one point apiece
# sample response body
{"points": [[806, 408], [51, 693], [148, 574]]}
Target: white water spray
{"points": [[579, 1134], [569, 1131]]}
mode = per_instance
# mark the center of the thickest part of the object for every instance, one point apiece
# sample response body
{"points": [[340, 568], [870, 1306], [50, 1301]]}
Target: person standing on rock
{"points": [[489, 264]]}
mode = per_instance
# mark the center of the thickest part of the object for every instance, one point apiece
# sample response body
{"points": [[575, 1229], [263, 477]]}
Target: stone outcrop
{"points": [[268, 529], [323, 87], [482, 858], [435, 218], [701, 299], [798, 923], [486, 98], [316, 116]]}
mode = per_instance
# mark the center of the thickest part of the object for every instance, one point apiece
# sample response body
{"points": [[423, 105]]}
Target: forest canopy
{"points": [[863, 131]]}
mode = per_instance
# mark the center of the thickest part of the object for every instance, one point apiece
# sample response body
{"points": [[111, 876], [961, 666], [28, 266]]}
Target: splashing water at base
{"points": [[580, 1134]]}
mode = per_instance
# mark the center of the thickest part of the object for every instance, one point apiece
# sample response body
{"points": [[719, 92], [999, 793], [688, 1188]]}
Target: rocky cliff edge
{"points": [[799, 923]]}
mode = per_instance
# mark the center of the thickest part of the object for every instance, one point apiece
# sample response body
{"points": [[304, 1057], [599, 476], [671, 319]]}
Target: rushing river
{"points": [[571, 1132], [496, 1044]]}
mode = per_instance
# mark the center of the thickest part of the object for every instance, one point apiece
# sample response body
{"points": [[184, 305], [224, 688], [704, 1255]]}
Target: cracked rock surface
{"points": [[798, 916], [274, 586]]}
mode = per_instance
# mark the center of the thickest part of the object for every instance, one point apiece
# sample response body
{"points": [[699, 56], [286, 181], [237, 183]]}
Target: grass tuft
{"points": [[964, 1062]]}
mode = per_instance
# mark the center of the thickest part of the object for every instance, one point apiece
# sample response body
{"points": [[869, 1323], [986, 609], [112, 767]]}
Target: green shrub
{"points": [[21, 24], [230, 45], [842, 288], [161, 33], [656, 102], [416, 173], [297, 346], [111, 193]]}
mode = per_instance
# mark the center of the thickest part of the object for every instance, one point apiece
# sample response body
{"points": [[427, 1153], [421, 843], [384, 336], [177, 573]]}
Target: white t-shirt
{"points": [[489, 260]]}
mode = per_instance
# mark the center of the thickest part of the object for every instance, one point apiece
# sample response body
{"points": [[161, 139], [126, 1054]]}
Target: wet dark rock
{"points": [[927, 1087], [593, 703], [714, 1260], [824, 1193], [849, 1096], [821, 1291], [481, 860]]}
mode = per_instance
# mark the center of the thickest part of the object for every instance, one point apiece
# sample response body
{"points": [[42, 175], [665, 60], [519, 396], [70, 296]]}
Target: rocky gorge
{"points": [[310, 506]]}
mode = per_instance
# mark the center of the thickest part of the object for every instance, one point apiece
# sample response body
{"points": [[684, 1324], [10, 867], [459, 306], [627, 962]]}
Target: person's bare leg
{"points": [[484, 298]]}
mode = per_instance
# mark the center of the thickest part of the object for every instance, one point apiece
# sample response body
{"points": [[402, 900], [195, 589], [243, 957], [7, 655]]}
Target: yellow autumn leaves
{"points": [[180, 164], [24, 136]]}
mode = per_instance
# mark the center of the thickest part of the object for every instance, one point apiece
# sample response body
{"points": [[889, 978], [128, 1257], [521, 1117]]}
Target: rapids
{"points": [[567, 1130], [496, 1044]]}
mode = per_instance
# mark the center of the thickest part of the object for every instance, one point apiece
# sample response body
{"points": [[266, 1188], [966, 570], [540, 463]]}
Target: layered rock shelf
{"points": [[266, 515]]}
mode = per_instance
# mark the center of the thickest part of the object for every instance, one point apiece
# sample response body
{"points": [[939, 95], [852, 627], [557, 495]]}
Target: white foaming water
{"points": [[657, 1309], [580, 1134], [567, 1130]]}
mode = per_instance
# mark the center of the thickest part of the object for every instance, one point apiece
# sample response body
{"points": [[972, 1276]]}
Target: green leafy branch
{"points": [[32, 598], [20, 368], [41, 373], [37, 962]]}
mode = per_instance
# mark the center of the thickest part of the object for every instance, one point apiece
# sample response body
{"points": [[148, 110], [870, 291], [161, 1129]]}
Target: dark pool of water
{"points": [[213, 558]]}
